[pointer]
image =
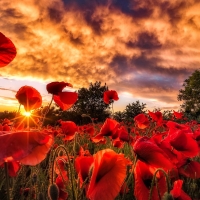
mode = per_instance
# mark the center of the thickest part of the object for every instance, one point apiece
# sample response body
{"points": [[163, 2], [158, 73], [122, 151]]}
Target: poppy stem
{"points": [[112, 109], [129, 177], [46, 111], [7, 180], [70, 168], [153, 181], [85, 115]]}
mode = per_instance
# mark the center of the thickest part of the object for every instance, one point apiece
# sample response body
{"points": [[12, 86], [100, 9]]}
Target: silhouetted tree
{"points": [[90, 102], [190, 95], [8, 114], [134, 109], [119, 116]]}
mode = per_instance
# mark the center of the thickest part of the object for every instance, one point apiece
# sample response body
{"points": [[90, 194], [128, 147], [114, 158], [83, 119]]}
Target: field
{"points": [[145, 159]]}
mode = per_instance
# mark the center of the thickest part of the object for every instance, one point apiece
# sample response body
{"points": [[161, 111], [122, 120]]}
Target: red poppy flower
{"points": [[191, 169], [150, 153], [82, 166], [56, 87], [30, 148], [7, 50], [69, 129], [109, 128], [118, 143], [61, 186], [157, 117], [65, 99], [109, 172], [143, 178], [183, 142], [13, 167], [142, 121], [178, 115], [29, 97], [177, 191], [59, 166], [123, 134], [110, 95]]}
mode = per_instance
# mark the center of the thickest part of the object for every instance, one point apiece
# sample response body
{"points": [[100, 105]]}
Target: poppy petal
{"points": [[65, 99], [29, 97], [110, 95], [38, 154], [151, 154], [7, 50], [191, 169], [109, 172], [18, 145], [56, 87]]}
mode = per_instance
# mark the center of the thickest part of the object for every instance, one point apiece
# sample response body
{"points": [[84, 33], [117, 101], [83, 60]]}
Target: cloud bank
{"points": [[147, 48]]}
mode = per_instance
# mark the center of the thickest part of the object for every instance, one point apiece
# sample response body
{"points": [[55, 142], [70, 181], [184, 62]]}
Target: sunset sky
{"points": [[143, 49]]}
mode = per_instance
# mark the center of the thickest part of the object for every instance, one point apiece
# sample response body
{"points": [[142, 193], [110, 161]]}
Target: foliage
{"points": [[190, 94], [130, 112], [90, 102], [133, 110], [7, 114]]}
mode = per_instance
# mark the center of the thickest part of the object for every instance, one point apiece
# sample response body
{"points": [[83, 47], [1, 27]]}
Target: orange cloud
{"points": [[143, 47]]}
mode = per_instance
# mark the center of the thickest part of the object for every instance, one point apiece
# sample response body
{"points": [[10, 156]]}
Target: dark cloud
{"points": [[147, 40], [55, 14], [147, 48], [175, 10], [134, 8]]}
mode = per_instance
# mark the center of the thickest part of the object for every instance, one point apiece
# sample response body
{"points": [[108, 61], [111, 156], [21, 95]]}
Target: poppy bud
{"points": [[53, 192], [167, 196], [40, 196]]}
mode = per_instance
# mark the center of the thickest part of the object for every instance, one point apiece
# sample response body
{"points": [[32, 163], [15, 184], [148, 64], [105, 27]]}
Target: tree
{"points": [[190, 94], [130, 112], [133, 110], [90, 102]]}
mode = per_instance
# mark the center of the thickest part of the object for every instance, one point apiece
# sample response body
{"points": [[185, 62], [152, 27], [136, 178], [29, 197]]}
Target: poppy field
{"points": [[148, 158]]}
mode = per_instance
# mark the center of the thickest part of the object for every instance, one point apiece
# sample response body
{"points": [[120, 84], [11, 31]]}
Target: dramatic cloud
{"points": [[147, 48]]}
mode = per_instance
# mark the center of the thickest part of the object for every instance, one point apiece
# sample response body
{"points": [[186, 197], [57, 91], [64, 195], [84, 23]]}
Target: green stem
{"points": [[153, 181], [7, 180], [70, 168], [129, 178], [43, 118]]}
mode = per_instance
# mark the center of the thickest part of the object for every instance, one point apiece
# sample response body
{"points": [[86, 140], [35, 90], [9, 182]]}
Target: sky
{"points": [[143, 49]]}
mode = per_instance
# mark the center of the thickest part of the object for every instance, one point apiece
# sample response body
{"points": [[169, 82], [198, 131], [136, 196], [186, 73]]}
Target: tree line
{"points": [[90, 106]]}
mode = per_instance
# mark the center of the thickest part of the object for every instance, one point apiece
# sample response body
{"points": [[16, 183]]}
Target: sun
{"points": [[26, 114]]}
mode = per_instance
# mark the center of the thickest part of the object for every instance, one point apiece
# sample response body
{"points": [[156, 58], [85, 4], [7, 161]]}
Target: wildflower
{"points": [[141, 121], [64, 99], [7, 50], [109, 172], [56, 87], [29, 148], [29, 97], [143, 174], [82, 166], [69, 129], [110, 95], [151, 154], [157, 117], [178, 115], [177, 191], [109, 128]]}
